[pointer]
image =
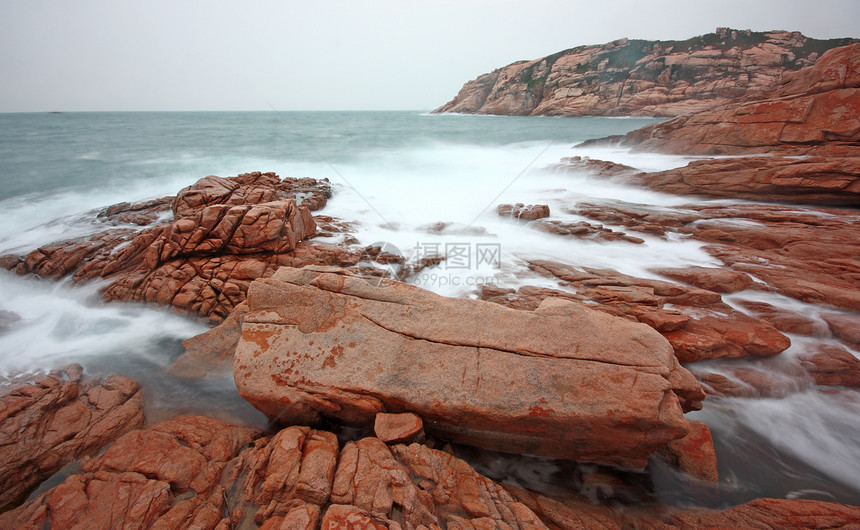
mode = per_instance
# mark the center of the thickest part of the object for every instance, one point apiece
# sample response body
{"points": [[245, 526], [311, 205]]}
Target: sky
{"points": [[105, 55]]}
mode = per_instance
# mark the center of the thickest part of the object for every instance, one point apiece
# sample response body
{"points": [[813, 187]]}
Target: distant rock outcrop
{"points": [[815, 112], [642, 78]]}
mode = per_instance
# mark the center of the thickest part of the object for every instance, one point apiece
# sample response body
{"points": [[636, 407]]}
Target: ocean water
{"points": [[419, 184]]}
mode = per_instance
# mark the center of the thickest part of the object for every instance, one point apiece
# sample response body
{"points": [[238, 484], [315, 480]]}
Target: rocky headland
{"points": [[379, 392], [642, 78]]}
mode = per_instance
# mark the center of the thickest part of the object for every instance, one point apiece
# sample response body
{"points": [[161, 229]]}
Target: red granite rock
{"points": [[398, 428], [831, 365], [321, 342], [57, 419], [521, 211], [694, 454], [710, 278], [814, 111], [643, 78]]}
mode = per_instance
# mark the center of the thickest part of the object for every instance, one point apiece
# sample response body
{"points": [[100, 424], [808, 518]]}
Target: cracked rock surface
{"points": [[321, 342]]}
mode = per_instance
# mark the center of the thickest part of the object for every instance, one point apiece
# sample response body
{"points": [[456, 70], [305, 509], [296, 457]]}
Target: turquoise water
{"points": [[396, 175], [46, 153]]}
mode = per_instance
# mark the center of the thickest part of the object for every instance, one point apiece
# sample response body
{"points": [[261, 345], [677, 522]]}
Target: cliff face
{"points": [[642, 78], [813, 111]]}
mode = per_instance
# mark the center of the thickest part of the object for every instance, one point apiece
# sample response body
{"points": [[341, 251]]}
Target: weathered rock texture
{"points": [[223, 234], [827, 181], [813, 111], [809, 254], [580, 384], [642, 78], [56, 419], [696, 322], [197, 472]]}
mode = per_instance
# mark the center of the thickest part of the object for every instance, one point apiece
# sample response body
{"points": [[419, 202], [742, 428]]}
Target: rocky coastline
{"points": [[643, 78], [376, 389]]}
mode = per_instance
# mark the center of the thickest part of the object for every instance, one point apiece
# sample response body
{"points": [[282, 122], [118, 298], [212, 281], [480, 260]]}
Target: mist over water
{"points": [[423, 184]]}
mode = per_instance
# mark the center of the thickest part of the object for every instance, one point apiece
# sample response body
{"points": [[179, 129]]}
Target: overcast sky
{"points": [[329, 55]]}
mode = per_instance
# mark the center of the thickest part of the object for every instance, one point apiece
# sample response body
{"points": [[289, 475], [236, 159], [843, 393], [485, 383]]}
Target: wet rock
{"points": [[694, 454], [320, 342], [7, 320], [721, 332], [521, 211], [57, 260], [211, 352], [805, 253], [722, 386], [831, 365], [56, 419], [710, 278], [225, 232], [593, 166], [139, 213], [759, 513], [787, 321], [697, 325], [583, 230], [845, 327], [575, 512], [750, 380], [813, 180], [398, 428]]}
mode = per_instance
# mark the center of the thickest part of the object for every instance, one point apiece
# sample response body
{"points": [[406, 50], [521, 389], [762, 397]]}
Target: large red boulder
{"points": [[320, 342]]}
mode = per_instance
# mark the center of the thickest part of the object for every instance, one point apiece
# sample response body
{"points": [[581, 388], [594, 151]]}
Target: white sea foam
{"points": [[60, 324]]}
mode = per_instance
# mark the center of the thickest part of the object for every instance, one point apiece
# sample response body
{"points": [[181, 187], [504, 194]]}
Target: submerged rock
{"points": [[521, 211], [562, 381]]}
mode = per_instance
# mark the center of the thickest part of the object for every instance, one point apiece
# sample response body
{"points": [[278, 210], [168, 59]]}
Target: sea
{"points": [[415, 183]]}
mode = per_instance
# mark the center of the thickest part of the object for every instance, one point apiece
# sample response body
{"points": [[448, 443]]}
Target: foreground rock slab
{"points": [[197, 472], [57, 418], [561, 381]]}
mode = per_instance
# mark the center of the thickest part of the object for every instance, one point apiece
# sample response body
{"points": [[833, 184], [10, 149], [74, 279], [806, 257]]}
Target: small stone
{"points": [[399, 428]]}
